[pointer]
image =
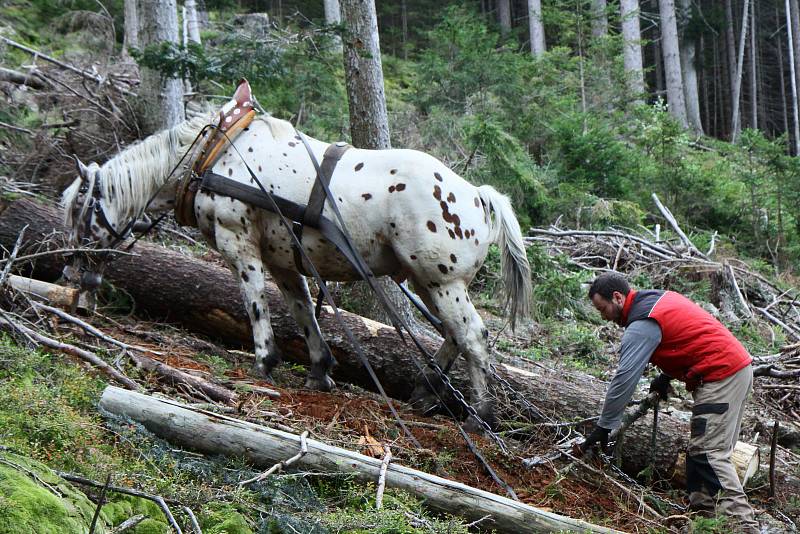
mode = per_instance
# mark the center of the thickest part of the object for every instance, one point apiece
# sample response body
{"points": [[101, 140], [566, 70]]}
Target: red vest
{"points": [[694, 345]]}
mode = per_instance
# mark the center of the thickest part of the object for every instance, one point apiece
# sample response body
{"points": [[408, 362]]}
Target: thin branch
{"points": [[280, 465], [387, 457]]}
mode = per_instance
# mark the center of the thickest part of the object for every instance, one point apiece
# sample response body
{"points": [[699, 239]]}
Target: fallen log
{"points": [[204, 297], [212, 433], [64, 297]]}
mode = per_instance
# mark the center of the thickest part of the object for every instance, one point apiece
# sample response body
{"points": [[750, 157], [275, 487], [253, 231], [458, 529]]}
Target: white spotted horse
{"points": [[407, 214]]}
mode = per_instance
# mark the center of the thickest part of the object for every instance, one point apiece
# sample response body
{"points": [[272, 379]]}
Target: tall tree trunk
{"points": [[753, 69], [192, 21], [333, 16], [632, 48], [131, 27], [672, 62], [737, 86], [504, 16], [369, 121], [404, 25], [536, 27], [703, 83], [658, 70], [599, 18], [791, 33], [160, 98], [689, 70], [730, 44], [782, 70]]}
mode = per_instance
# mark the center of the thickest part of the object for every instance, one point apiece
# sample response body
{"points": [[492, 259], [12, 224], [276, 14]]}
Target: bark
{"points": [[192, 21], [538, 46], [160, 98], [22, 78], [672, 62], [793, 11], [205, 298], [504, 16], [752, 71], [730, 45], [131, 26], [599, 18], [689, 71], [736, 127], [632, 53], [264, 447]]}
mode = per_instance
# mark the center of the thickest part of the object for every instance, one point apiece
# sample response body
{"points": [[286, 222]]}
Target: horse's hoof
{"points": [[320, 384]]}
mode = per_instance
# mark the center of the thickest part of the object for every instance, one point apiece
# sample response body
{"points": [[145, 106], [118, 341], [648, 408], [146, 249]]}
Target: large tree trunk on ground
{"points": [[264, 447], [204, 297]]}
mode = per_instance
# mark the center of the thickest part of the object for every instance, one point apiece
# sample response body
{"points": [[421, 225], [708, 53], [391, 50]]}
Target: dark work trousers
{"points": [[710, 474]]}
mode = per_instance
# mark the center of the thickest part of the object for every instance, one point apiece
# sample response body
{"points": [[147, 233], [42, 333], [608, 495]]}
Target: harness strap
{"points": [[316, 202]]}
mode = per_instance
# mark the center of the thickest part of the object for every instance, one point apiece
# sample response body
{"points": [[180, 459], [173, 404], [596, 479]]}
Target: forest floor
{"points": [[356, 419]]}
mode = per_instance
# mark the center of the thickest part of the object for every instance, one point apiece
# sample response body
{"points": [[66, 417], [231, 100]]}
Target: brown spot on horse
{"points": [[451, 198], [359, 167], [442, 268], [437, 192], [438, 176], [366, 196], [400, 187], [431, 227]]}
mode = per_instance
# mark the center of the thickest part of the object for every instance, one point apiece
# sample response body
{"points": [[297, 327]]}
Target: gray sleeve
{"points": [[638, 344]]}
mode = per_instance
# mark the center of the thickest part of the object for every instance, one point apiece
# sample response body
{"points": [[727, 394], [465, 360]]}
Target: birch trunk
{"points": [[689, 71], [632, 48], [160, 98], [599, 18], [737, 86], [504, 16], [536, 27], [672, 62]]}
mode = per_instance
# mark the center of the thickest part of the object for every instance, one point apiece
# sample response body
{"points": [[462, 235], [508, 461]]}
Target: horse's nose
{"points": [[91, 281]]}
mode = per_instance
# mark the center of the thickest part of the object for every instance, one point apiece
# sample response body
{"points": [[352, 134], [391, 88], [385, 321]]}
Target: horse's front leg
{"points": [[294, 288], [244, 259]]}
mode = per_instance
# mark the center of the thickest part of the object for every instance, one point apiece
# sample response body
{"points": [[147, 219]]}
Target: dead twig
{"points": [[387, 457], [280, 465], [10, 260]]}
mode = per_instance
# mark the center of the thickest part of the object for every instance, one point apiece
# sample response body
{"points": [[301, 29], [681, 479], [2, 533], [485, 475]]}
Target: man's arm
{"points": [[638, 344]]}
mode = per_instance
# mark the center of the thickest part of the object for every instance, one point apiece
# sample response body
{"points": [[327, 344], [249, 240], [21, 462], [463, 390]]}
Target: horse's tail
{"points": [[505, 231]]}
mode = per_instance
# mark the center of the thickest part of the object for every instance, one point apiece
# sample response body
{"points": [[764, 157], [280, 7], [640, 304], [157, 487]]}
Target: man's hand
{"points": [[660, 385], [598, 435]]}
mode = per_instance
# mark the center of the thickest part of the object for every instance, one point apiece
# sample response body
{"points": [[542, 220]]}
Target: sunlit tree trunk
{"points": [[753, 69], [689, 70], [599, 18], [536, 27], [160, 98], [369, 121], [672, 62], [632, 47], [504, 15]]}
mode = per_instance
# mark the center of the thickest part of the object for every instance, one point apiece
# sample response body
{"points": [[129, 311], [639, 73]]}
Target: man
{"points": [[687, 344]]}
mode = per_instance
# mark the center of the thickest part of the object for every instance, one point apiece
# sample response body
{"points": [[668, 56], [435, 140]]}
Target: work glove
{"points": [[598, 435], [660, 385]]}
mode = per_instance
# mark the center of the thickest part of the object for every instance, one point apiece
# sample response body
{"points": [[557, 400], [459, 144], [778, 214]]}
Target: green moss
{"points": [[124, 506], [28, 505], [150, 526], [219, 518]]}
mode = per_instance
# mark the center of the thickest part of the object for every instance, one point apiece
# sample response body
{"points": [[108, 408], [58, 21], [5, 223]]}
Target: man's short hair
{"points": [[605, 285]]}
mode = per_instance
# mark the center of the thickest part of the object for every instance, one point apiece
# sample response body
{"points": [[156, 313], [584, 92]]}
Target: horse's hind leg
{"points": [[294, 288], [465, 329]]}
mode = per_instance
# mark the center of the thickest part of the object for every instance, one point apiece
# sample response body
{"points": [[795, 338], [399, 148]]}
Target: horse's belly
{"points": [[277, 251]]}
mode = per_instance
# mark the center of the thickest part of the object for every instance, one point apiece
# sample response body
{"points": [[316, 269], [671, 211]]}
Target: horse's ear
{"points": [[83, 170]]}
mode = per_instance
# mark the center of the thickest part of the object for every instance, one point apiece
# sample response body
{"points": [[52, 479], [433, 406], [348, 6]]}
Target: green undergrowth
{"points": [[49, 422]]}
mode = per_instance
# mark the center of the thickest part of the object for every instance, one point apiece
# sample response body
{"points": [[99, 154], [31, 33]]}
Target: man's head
{"points": [[607, 293]]}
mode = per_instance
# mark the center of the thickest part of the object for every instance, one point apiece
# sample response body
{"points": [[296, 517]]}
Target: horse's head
{"points": [[91, 225]]}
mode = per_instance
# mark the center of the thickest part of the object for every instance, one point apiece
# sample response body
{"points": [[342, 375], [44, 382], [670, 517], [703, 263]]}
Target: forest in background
{"points": [[560, 131]]}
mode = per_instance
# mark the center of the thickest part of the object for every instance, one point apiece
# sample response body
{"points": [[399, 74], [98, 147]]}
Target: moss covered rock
{"points": [[34, 500], [218, 518]]}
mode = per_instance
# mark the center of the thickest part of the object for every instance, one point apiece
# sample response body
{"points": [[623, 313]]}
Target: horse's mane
{"points": [[134, 175]]}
